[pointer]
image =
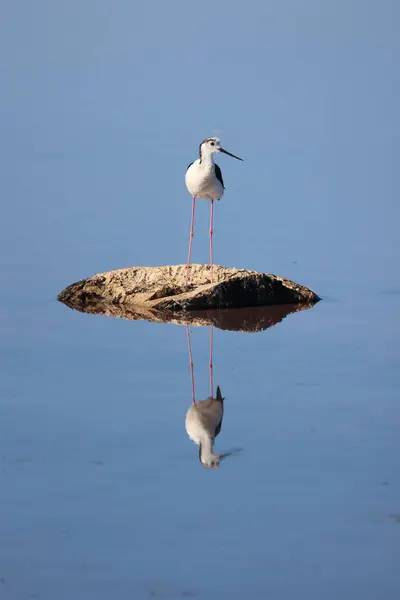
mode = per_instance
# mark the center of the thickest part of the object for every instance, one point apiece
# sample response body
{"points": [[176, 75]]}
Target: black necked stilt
{"points": [[204, 180]]}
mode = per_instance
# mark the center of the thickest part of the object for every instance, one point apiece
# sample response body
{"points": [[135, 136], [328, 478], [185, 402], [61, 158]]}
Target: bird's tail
{"points": [[219, 395]]}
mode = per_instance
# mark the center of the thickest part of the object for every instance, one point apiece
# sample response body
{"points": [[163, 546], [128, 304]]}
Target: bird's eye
{"points": [[212, 143]]}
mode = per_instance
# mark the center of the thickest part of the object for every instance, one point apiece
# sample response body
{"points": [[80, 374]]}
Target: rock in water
{"points": [[163, 289]]}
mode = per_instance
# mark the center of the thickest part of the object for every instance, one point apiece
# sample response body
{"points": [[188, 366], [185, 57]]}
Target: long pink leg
{"points": [[190, 360], [211, 363], [211, 236], [190, 239]]}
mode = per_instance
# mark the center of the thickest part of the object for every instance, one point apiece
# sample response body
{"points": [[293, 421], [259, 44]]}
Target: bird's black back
{"points": [[218, 174]]}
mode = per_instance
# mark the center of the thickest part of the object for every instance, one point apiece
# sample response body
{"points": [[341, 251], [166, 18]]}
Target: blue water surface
{"points": [[102, 494]]}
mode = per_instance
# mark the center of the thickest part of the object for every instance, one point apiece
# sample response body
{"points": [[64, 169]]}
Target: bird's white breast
{"points": [[202, 182]]}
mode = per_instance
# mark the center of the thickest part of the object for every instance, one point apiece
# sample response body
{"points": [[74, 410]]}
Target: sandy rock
{"points": [[163, 289]]}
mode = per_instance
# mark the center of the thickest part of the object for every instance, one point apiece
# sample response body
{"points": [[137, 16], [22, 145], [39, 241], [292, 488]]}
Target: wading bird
{"points": [[204, 180]]}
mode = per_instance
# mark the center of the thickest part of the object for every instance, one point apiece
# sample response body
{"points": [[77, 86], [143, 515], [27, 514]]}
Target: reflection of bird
{"points": [[203, 424], [204, 180]]}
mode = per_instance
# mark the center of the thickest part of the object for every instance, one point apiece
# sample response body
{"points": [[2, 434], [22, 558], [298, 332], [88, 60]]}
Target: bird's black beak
{"points": [[229, 154]]}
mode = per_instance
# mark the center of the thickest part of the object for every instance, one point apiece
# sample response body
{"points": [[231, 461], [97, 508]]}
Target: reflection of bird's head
{"points": [[208, 459], [212, 461]]}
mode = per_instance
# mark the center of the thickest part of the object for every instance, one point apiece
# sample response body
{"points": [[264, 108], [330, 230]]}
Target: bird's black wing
{"points": [[189, 165], [218, 175]]}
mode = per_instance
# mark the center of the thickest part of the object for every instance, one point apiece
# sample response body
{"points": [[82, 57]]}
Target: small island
{"points": [[164, 289]]}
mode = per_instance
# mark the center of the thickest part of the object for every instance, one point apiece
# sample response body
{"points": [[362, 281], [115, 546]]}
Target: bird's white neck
{"points": [[206, 156]]}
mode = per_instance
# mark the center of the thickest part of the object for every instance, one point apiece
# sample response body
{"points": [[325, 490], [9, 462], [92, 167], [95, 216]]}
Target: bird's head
{"points": [[211, 145]]}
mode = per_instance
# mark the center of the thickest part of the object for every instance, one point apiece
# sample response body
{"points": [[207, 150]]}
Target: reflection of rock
{"points": [[255, 318], [163, 288]]}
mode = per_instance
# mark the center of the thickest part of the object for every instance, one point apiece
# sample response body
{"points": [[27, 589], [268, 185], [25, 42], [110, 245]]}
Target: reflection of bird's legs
{"points": [[211, 364], [190, 360]]}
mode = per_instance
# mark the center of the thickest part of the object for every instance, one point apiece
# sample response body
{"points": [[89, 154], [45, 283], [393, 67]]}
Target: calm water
{"points": [[102, 494]]}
